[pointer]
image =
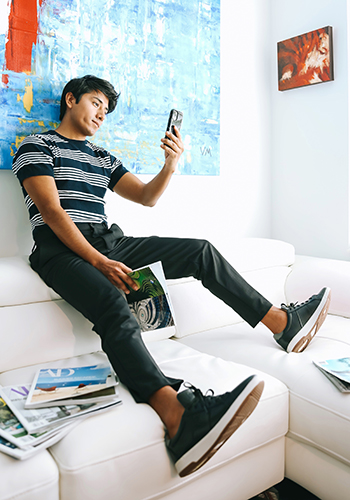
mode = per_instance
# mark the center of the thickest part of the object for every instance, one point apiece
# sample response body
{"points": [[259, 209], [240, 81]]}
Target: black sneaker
{"points": [[208, 421], [304, 321]]}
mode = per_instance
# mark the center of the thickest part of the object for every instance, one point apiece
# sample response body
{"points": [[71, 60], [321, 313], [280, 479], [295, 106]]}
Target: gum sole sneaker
{"points": [[304, 321], [208, 422]]}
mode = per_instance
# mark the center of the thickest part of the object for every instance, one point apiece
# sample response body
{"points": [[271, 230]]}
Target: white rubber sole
{"points": [[309, 330], [238, 412]]}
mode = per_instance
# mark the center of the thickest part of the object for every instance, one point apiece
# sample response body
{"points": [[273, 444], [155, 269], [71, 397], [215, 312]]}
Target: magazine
{"points": [[39, 419], [14, 451], [337, 371], [76, 385], [151, 304], [13, 431]]}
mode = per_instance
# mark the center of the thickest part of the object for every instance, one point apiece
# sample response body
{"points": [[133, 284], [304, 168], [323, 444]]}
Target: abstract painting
{"points": [[306, 59], [159, 54]]}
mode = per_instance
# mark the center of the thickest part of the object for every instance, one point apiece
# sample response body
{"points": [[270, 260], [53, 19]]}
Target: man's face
{"points": [[88, 114]]}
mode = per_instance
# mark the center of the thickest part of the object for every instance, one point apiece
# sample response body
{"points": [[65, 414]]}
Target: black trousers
{"points": [[91, 293]]}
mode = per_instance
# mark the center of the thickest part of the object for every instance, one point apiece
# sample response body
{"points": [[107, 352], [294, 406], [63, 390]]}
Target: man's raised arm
{"points": [[132, 188]]}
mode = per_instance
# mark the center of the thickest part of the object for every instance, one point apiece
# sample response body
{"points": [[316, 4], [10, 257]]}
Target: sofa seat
{"points": [[121, 454], [34, 479]]}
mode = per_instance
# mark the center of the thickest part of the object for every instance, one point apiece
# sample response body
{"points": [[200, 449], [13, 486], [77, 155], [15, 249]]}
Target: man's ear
{"points": [[70, 100]]}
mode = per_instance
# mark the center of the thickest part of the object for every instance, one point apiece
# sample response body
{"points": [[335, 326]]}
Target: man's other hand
{"points": [[117, 273]]}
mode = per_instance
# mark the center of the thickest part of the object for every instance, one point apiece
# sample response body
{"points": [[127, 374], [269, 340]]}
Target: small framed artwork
{"points": [[306, 59]]}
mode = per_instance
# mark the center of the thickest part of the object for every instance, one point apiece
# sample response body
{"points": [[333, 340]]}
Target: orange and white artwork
{"points": [[306, 59]]}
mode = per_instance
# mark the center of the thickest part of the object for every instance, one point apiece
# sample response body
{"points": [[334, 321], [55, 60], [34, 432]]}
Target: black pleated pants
{"points": [[91, 293]]}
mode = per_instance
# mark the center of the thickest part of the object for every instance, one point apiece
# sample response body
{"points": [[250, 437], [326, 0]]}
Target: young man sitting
{"points": [[64, 178]]}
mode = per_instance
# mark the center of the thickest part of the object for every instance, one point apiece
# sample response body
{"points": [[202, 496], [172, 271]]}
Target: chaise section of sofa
{"points": [[317, 444]]}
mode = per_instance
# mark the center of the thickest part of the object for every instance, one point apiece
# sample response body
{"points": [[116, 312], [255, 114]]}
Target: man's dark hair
{"points": [[85, 85]]}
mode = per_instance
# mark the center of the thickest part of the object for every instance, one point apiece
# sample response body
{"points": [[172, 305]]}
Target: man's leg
{"points": [[198, 258], [88, 291], [294, 326]]}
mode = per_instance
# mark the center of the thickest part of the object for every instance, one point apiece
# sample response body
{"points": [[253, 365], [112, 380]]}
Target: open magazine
{"points": [[76, 385], [151, 304], [337, 371]]}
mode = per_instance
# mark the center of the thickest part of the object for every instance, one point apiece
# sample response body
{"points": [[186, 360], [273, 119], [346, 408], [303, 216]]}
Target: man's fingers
{"points": [[125, 279], [117, 273], [173, 144]]}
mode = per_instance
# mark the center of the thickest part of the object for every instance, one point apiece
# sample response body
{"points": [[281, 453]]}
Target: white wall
{"points": [[234, 204], [310, 136]]}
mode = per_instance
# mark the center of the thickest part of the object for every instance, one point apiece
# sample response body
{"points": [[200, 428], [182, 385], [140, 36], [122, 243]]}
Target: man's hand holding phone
{"points": [[172, 142]]}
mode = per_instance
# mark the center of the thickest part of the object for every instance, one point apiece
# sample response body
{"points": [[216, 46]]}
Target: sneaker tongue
{"points": [[186, 398]]}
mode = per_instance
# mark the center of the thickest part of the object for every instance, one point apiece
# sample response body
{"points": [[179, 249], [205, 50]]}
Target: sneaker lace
{"points": [[207, 399], [295, 305], [292, 305]]}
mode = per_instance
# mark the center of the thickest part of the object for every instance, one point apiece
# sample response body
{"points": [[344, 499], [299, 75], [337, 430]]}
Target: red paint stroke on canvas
{"points": [[22, 34], [304, 60]]}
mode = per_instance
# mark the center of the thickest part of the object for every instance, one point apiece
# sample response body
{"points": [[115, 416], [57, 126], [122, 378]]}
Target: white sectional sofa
{"points": [[300, 428]]}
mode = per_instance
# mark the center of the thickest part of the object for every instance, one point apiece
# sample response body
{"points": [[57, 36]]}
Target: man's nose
{"points": [[100, 115]]}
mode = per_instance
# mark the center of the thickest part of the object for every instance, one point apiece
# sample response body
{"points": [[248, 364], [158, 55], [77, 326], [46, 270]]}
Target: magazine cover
{"points": [[337, 371], [151, 304], [84, 384], [39, 419]]}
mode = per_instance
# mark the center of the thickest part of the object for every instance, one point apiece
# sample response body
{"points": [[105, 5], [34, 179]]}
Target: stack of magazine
{"points": [[337, 371], [36, 416]]}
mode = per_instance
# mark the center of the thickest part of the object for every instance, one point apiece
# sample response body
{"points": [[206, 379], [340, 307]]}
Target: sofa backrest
{"points": [[311, 274]]}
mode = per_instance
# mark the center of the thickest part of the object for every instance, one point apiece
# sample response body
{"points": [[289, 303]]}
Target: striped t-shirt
{"points": [[82, 172]]}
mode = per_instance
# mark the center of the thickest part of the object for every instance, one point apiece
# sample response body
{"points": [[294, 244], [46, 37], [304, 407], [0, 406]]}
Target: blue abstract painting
{"points": [[159, 54]]}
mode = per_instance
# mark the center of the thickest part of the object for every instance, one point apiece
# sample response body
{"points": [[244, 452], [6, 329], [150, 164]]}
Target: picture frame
{"points": [[306, 59]]}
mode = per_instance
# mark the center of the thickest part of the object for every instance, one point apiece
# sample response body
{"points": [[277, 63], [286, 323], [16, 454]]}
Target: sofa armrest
{"points": [[310, 274]]}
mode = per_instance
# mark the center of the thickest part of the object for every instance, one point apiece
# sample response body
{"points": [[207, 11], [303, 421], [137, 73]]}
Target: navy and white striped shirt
{"points": [[82, 172]]}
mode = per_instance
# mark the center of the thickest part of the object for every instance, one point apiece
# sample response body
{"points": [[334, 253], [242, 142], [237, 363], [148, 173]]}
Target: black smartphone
{"points": [[175, 119]]}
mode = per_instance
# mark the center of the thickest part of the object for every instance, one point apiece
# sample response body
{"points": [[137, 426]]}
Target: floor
{"points": [[286, 490]]}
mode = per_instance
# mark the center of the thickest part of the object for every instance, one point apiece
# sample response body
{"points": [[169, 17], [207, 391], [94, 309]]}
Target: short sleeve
{"points": [[33, 158], [117, 172]]}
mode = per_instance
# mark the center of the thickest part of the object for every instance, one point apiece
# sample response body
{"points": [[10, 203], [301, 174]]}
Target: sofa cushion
{"points": [[250, 254], [43, 331], [20, 284], [121, 453], [36, 478]]}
